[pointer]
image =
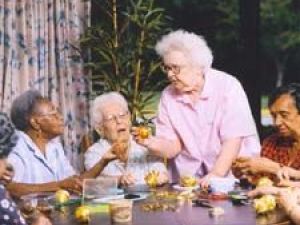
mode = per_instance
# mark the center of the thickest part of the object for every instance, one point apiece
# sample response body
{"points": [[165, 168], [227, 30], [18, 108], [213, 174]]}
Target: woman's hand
{"points": [[204, 181], [256, 165], [41, 220], [118, 150], [8, 174], [73, 184], [127, 179], [289, 198], [264, 191], [163, 178], [142, 140], [285, 173]]}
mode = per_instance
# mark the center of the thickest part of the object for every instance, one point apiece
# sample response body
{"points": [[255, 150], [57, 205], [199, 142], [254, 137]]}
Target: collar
{"points": [[205, 93]]}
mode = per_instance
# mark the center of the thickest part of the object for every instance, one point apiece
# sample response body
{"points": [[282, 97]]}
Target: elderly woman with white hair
{"points": [[111, 118], [204, 120]]}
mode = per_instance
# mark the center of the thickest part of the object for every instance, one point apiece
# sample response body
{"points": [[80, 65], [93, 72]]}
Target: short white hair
{"points": [[191, 45], [102, 101]]}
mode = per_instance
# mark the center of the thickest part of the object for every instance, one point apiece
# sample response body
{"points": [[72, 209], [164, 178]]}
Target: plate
{"points": [[116, 197], [181, 188]]}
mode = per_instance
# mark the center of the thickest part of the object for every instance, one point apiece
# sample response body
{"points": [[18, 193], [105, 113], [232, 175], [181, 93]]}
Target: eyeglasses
{"points": [[173, 68], [54, 113], [115, 118]]}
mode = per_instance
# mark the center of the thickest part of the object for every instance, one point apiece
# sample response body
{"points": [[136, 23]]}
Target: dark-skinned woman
{"points": [[38, 159], [9, 213]]}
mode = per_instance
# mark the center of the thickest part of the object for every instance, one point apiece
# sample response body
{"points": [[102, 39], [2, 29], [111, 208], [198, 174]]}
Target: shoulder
{"points": [[100, 147], [20, 151], [169, 92], [277, 141], [271, 138], [223, 80]]}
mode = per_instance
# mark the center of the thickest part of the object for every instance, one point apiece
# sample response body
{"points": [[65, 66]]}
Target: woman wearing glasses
{"points": [[204, 120], [9, 214], [38, 159], [111, 118]]}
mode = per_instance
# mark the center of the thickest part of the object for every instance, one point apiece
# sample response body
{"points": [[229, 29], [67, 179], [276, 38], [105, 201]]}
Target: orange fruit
{"points": [[144, 132]]}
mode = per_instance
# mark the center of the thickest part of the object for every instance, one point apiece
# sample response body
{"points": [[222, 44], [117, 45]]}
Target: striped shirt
{"points": [[31, 166]]}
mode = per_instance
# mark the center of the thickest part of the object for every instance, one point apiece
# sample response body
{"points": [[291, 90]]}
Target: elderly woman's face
{"points": [[48, 120], [182, 75], [116, 123]]}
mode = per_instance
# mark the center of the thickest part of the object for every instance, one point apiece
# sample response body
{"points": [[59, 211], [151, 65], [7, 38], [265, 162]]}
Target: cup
{"points": [[121, 210], [100, 187], [222, 184]]}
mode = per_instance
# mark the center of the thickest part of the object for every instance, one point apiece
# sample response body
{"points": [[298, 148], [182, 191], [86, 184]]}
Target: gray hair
{"points": [[191, 45], [23, 107], [102, 101]]}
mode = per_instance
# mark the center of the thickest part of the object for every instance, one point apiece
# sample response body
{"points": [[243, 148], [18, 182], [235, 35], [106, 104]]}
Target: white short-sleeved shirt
{"points": [[139, 162], [31, 166]]}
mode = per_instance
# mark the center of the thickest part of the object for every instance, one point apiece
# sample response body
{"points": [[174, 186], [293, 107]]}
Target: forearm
{"points": [[163, 148], [20, 189], [294, 213], [229, 151], [95, 170], [295, 174]]}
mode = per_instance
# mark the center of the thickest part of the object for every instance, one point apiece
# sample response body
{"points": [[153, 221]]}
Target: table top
{"points": [[186, 214]]}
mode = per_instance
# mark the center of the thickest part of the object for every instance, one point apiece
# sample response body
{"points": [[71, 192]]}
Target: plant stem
{"points": [[137, 75], [115, 34]]}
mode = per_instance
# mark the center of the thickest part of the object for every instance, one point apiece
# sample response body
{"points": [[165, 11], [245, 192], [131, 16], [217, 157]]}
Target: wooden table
{"points": [[185, 215]]}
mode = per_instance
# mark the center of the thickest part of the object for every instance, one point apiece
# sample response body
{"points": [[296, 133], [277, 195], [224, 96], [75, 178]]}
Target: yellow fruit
{"points": [[264, 182], [265, 204], [82, 214], [62, 196], [151, 178], [188, 181], [143, 132]]}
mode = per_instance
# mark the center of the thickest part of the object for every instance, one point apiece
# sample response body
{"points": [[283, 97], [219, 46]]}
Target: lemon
{"points": [[264, 182], [62, 196], [82, 214], [265, 204], [188, 181]]}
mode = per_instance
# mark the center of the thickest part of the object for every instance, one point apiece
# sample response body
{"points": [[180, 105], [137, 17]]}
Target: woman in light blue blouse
{"points": [[38, 158], [9, 214]]}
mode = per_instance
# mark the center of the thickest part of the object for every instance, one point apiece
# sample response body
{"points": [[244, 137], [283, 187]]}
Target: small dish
{"points": [[181, 188]]}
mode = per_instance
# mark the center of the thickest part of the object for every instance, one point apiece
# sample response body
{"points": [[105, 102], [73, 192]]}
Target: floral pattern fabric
{"points": [[39, 49], [9, 214]]}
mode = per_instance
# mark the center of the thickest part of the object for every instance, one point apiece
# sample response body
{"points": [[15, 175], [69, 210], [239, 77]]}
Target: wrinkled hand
{"points": [[127, 179], [264, 191], [118, 150], [204, 181], [163, 178], [41, 220], [253, 165], [289, 197], [8, 174], [136, 135], [73, 184], [285, 173]]}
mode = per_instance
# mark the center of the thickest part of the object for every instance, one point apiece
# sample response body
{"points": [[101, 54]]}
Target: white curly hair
{"points": [[102, 101], [190, 44]]}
